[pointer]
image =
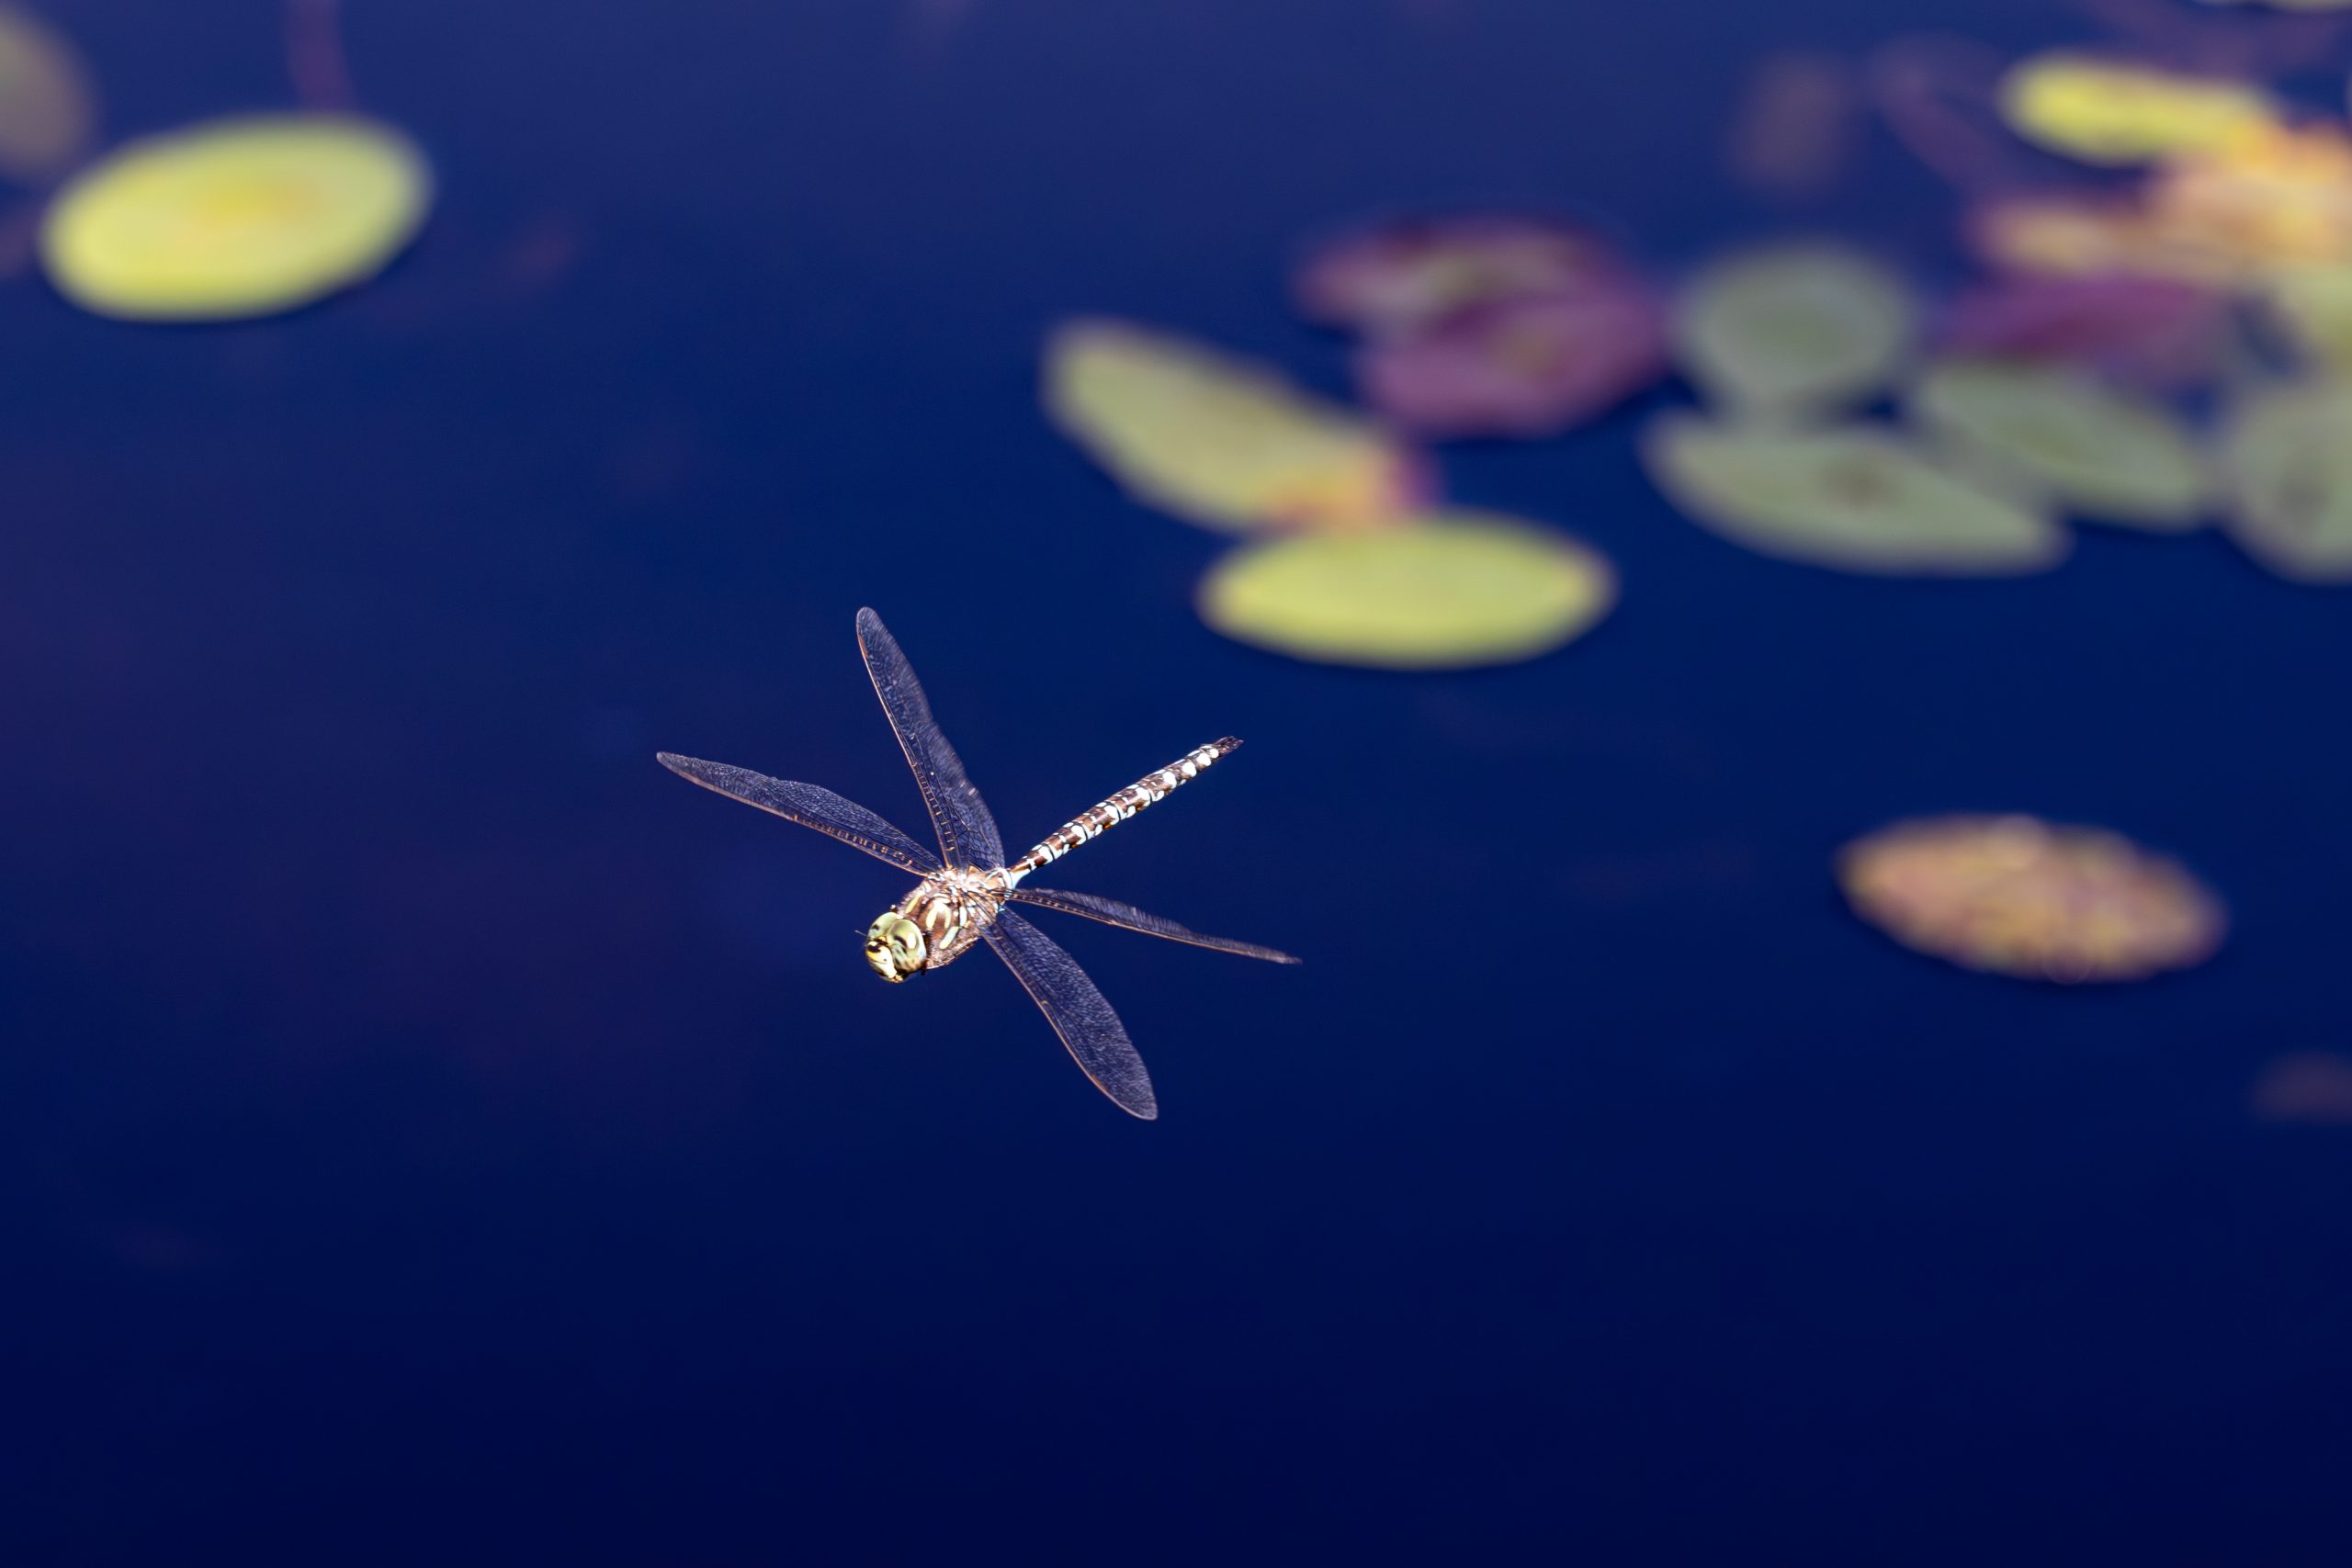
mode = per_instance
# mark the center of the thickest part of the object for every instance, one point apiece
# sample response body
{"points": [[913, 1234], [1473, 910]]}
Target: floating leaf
{"points": [[1860, 499], [235, 218], [2288, 457], [1406, 273], [1794, 326], [2097, 236], [2269, 197], [1217, 440], [47, 111], [2313, 305], [2099, 451], [1523, 367], [2150, 330], [1465, 589], [2018, 896], [2120, 112]]}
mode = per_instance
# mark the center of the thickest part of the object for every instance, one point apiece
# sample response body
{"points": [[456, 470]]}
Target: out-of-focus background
{"points": [[429, 1131]]}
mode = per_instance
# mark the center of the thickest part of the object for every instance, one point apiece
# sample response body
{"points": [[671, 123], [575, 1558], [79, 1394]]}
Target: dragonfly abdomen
{"points": [[1098, 819]]}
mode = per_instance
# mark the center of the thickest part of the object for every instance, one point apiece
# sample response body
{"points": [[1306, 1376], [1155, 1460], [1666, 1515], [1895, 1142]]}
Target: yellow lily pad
{"points": [[1217, 440], [1459, 589], [236, 217], [1859, 499], [47, 111], [1794, 327], [2019, 895], [2119, 112], [2287, 453], [2086, 237], [2097, 450], [2271, 197]]}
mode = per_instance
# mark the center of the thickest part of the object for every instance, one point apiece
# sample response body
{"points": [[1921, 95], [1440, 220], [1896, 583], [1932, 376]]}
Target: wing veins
{"points": [[1126, 917], [968, 833], [811, 806], [1095, 1038]]}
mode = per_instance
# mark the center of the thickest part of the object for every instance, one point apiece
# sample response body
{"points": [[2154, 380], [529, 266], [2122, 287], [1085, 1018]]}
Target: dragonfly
{"points": [[962, 899]]}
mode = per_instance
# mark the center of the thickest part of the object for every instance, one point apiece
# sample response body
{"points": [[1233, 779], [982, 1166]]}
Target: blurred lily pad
{"points": [[1217, 440], [2069, 235], [1519, 367], [2103, 110], [48, 109], [2019, 895], [2154, 331], [2313, 305], [1463, 589], [235, 218], [2287, 452], [1402, 273], [2273, 196], [1794, 327], [2098, 451], [1859, 499]]}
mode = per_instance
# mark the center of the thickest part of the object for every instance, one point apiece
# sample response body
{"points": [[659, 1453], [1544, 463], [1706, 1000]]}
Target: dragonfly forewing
{"points": [[1096, 1038], [811, 808], [1111, 912], [968, 833]]}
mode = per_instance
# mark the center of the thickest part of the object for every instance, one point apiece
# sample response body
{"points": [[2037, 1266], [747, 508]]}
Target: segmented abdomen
{"points": [[1144, 792]]}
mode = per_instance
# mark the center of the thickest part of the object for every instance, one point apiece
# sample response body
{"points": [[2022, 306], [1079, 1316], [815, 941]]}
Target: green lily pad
{"points": [[1218, 440], [2313, 305], [1859, 499], [2095, 448], [2286, 455], [1794, 327], [1459, 589]]}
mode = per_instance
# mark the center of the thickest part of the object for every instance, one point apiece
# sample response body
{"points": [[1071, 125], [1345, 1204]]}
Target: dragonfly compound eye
{"points": [[895, 947]]}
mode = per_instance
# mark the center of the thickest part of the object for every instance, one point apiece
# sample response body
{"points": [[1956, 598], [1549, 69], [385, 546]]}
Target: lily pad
{"points": [[1794, 327], [235, 218], [2313, 305], [1859, 499], [1403, 274], [2099, 451], [2287, 455], [2152, 330], [2019, 895], [2121, 112], [2097, 235], [2275, 195], [47, 110], [1464, 589], [1217, 440], [1518, 367]]}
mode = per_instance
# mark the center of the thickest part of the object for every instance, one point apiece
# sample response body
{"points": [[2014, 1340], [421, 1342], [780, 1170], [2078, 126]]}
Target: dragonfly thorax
{"points": [[934, 925]]}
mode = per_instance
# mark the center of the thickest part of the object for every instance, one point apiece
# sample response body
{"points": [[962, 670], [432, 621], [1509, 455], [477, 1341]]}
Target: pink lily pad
{"points": [[2153, 331], [1518, 367]]}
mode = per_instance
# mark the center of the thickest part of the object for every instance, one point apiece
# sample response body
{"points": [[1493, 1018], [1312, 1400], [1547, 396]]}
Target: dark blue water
{"points": [[434, 1134]]}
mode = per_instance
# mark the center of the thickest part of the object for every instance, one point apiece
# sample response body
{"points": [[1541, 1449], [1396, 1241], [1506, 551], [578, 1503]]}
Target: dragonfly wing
{"points": [[811, 808], [967, 832], [1111, 912], [1078, 1012]]}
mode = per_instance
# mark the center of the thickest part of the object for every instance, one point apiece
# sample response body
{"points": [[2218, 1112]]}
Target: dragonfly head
{"points": [[895, 947]]}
